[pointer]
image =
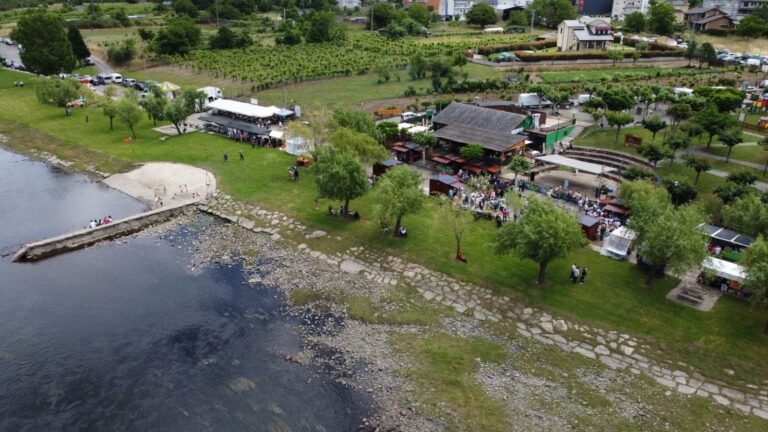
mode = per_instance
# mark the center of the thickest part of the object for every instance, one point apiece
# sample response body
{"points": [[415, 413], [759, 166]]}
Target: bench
{"points": [[690, 296]]}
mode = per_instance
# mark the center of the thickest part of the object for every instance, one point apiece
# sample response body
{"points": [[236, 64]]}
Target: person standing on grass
{"points": [[242, 156], [583, 275], [574, 272], [226, 157]]}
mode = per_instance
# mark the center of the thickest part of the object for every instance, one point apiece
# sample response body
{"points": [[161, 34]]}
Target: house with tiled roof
{"points": [[707, 18]]}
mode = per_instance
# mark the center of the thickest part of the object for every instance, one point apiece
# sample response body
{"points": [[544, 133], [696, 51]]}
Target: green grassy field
{"points": [[599, 74], [614, 296], [749, 153]]}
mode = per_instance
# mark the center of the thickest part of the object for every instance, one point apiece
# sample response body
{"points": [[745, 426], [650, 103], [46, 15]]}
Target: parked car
{"points": [[103, 79], [129, 82], [140, 86], [408, 115], [89, 61], [117, 78]]}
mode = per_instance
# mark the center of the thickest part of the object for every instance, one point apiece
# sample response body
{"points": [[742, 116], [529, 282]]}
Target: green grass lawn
{"points": [[599, 74], [749, 153], [606, 138], [614, 295]]}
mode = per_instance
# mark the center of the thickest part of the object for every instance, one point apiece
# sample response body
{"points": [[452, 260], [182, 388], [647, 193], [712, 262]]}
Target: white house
{"points": [[586, 33]]}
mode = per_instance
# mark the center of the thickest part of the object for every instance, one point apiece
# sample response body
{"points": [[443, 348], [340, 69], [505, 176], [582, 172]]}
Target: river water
{"points": [[124, 336]]}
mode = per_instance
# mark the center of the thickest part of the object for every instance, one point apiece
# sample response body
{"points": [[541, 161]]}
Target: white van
{"points": [[104, 79], [117, 78]]}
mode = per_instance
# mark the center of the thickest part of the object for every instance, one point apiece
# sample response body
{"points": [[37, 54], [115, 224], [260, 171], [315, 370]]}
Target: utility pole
{"points": [[216, 4]]}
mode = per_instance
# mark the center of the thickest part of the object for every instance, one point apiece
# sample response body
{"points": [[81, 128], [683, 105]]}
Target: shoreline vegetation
{"points": [[729, 337]]}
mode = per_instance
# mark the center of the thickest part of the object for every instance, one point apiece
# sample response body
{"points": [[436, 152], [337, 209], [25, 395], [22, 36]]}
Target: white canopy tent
{"points": [[241, 108], [295, 146], [725, 269], [616, 245], [418, 129], [592, 168], [276, 134]]}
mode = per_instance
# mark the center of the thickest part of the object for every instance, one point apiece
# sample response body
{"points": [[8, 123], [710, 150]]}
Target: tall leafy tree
{"points": [[666, 236], [324, 28], [634, 22], [751, 26], [678, 112], [691, 51], [730, 138], [472, 152], [518, 165], [542, 234], [744, 178], [47, 49], [675, 142], [654, 125], [176, 112], [339, 175], [618, 119], [419, 13], [129, 112], [226, 38], [706, 54], [79, 48], [550, 13], [180, 36], [617, 98], [747, 214], [457, 218], [367, 149], [110, 109], [661, 18], [54, 91], [615, 55], [355, 119], [481, 14], [398, 194], [383, 14], [713, 122], [155, 107], [699, 164], [654, 152], [756, 262]]}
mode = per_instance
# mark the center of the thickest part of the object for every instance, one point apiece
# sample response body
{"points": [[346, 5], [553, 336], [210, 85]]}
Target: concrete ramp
{"points": [[88, 236]]}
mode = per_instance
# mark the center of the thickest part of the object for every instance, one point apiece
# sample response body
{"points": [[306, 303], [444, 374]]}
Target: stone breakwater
{"points": [[616, 350]]}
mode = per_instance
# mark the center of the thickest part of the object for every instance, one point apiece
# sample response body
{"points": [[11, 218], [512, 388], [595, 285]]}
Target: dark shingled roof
{"points": [[488, 139], [699, 10], [478, 117], [712, 18], [472, 124]]}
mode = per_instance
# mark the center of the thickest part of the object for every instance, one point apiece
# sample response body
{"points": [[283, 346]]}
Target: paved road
{"points": [[10, 52]]}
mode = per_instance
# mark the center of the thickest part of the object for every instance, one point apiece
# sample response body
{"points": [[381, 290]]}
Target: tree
{"points": [[713, 122], [634, 22], [324, 28], [699, 164], [146, 35], [756, 263], [618, 119], [680, 189], [706, 54], [747, 214], [727, 100], [54, 91], [180, 36], [691, 51], [420, 14], [692, 129], [355, 119], [460, 60], [751, 26], [675, 142], [729, 192], [654, 152], [615, 55], [387, 131], [398, 194], [543, 233], [425, 139], [184, 7], [764, 144], [457, 218], [668, 237], [225, 38], [730, 138], [617, 98], [472, 152], [176, 112], [155, 107], [678, 112], [744, 178], [636, 55], [47, 50], [654, 125], [122, 53], [129, 112], [110, 109], [481, 14], [383, 14], [518, 165], [367, 149], [550, 13], [339, 175], [79, 48], [661, 18]]}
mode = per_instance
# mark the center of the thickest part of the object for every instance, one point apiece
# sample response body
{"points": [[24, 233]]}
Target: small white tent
{"points": [[295, 146], [616, 245]]}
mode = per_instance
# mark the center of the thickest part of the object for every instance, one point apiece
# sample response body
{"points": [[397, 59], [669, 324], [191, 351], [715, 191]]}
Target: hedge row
{"points": [[585, 55], [516, 46], [653, 46]]}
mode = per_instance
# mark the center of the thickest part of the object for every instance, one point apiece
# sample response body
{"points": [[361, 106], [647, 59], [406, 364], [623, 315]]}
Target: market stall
{"points": [[617, 244], [724, 275]]}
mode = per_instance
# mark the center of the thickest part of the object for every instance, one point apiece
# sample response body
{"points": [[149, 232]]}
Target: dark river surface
{"points": [[124, 337]]}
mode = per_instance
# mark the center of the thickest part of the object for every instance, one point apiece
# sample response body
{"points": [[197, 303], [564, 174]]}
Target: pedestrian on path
{"points": [[583, 275]]}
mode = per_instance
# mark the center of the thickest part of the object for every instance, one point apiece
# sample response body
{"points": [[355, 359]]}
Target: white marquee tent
{"points": [[241, 108], [725, 269], [591, 168]]}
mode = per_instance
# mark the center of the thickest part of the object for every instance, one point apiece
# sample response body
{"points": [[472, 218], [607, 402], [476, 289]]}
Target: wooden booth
{"points": [[441, 183]]}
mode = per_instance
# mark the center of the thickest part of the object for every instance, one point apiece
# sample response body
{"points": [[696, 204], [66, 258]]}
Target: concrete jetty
{"points": [[89, 236]]}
